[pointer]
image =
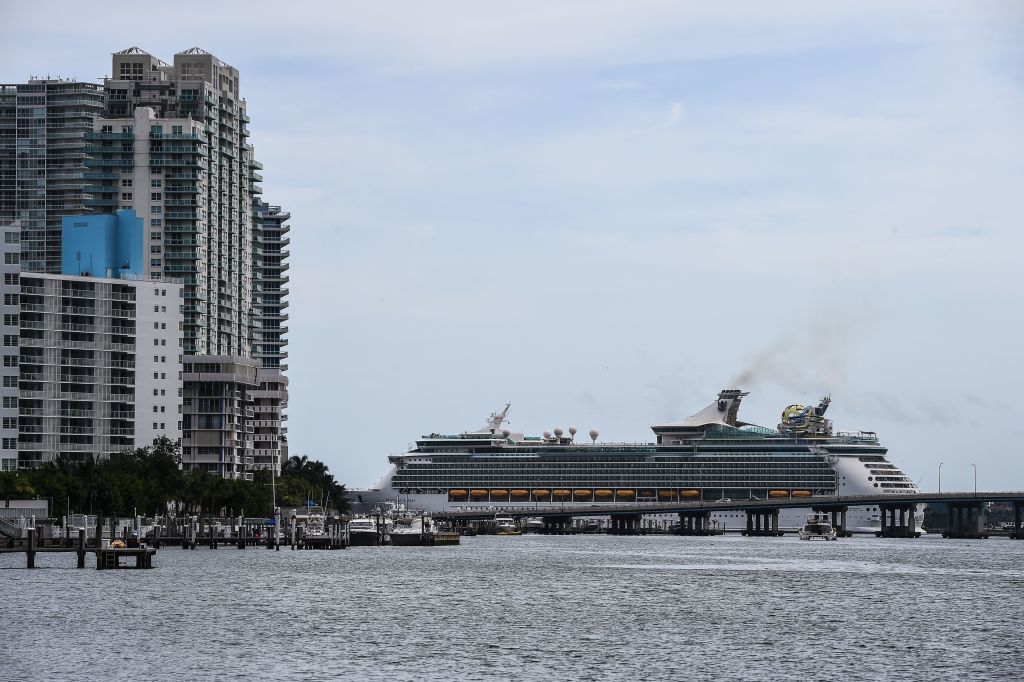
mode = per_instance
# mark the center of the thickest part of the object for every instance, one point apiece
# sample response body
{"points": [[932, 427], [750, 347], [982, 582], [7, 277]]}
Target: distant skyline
{"points": [[604, 212]]}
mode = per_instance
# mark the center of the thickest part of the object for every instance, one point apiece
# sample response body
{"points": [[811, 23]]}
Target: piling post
{"points": [[98, 540], [81, 548], [30, 552]]}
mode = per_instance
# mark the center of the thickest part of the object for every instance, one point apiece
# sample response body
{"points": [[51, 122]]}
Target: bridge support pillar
{"points": [[1015, 534], [964, 520], [904, 527], [763, 523], [695, 523]]}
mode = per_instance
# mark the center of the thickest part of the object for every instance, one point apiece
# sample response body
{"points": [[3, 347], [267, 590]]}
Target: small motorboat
{"points": [[506, 525], [818, 527]]}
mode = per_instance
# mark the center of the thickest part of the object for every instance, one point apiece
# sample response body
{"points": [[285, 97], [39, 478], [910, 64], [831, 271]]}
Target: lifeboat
{"points": [[582, 494], [499, 492], [541, 494], [457, 494], [801, 493], [562, 494], [690, 493], [666, 494], [478, 494], [778, 493], [520, 494], [627, 494], [646, 493], [603, 494]]}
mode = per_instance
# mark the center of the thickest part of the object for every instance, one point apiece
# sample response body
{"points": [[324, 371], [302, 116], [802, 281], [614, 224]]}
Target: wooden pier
{"points": [[106, 557]]}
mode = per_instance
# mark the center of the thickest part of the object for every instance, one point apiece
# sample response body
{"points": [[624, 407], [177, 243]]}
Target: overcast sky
{"points": [[605, 212]]}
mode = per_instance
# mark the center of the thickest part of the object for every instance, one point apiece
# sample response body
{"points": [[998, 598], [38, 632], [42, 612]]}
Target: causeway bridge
{"points": [[896, 511]]}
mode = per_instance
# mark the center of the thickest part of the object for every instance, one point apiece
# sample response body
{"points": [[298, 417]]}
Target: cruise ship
{"points": [[711, 455]]}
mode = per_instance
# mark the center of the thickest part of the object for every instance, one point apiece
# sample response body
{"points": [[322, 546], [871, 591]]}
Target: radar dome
{"points": [[572, 430], [558, 432], [506, 433], [593, 435], [547, 434]]}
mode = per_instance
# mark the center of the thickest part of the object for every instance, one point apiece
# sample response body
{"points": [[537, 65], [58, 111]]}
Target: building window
{"points": [[156, 209], [10, 361], [155, 196], [10, 401], [11, 320], [156, 183], [126, 196], [10, 443], [154, 262], [10, 422], [10, 382], [11, 340], [12, 258], [11, 299], [156, 222], [11, 278], [126, 182]]}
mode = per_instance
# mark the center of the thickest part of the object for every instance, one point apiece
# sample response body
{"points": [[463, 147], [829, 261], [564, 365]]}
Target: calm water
{"points": [[531, 607]]}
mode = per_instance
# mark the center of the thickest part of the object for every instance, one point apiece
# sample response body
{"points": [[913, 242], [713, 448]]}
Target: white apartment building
{"points": [[9, 309], [100, 365]]}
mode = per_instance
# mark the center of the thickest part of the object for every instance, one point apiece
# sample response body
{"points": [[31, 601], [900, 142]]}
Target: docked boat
{"points": [[817, 527], [362, 532], [533, 525], [506, 525], [412, 530], [711, 455]]}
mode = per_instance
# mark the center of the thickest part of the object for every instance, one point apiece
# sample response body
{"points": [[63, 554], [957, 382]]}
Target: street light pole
{"points": [[975, 466], [940, 477]]}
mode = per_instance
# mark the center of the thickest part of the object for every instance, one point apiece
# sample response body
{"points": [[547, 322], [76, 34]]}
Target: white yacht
{"points": [[362, 532], [506, 525], [412, 529], [817, 527], [711, 455]]}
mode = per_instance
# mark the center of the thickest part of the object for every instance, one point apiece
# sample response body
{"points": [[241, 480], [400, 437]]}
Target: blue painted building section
{"points": [[102, 245]]}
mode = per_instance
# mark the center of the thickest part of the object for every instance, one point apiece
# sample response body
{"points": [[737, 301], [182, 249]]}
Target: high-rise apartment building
{"points": [[270, 324], [172, 143], [42, 151], [10, 294], [100, 365]]}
